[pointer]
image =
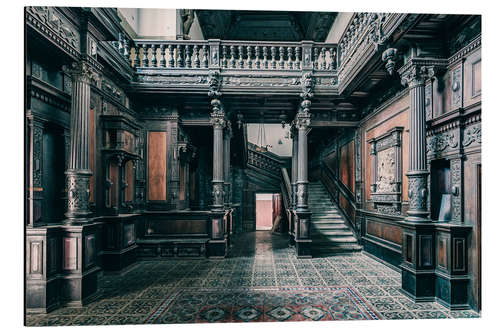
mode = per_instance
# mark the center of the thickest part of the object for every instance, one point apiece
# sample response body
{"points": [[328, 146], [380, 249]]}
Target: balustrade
{"points": [[237, 55]]}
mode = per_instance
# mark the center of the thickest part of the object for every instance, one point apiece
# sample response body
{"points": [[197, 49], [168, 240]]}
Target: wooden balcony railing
{"points": [[242, 55]]}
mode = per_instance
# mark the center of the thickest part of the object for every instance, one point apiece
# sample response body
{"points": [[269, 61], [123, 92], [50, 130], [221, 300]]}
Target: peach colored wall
{"points": [[264, 214]]}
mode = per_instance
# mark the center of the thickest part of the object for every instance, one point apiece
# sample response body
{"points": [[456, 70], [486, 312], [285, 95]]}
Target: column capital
{"points": [[302, 119], [417, 70], [81, 71]]}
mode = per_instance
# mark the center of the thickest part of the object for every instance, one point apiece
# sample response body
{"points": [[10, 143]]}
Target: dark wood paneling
{"points": [[157, 166], [92, 152], [388, 232], [70, 253], [182, 183], [347, 165], [157, 227], [129, 178], [128, 141], [113, 177]]}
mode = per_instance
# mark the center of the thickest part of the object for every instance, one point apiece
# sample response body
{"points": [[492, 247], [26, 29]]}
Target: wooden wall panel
{"points": [[388, 232], [92, 153], [182, 183], [396, 114], [347, 165], [157, 166], [129, 178], [113, 177]]}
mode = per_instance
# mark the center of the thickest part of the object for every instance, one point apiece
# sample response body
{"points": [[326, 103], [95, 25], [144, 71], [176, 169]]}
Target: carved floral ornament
{"points": [[415, 75]]}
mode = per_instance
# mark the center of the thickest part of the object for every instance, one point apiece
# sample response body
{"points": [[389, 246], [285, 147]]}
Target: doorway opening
{"points": [[267, 210]]}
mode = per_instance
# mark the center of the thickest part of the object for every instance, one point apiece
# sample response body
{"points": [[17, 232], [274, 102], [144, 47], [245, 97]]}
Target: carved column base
{"points": [[418, 262], [80, 266], [303, 240], [417, 193], [78, 186], [434, 265], [43, 251]]}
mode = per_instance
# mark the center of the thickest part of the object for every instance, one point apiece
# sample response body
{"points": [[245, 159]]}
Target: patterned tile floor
{"points": [[261, 280]]}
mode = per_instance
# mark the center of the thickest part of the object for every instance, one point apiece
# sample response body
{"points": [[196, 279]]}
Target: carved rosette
{"points": [[417, 194], [78, 186]]}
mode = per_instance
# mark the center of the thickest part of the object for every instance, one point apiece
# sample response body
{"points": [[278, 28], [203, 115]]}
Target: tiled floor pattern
{"points": [[261, 268]]}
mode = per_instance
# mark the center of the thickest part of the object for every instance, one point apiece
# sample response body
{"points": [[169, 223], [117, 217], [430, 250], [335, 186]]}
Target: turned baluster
{"points": [[240, 56], [289, 54], [232, 61], [180, 63], [273, 57], [171, 60], [144, 60], [257, 57], [205, 56], [333, 62], [126, 50], [282, 57], [297, 57], [153, 55], [196, 50], [323, 58], [224, 56], [162, 55], [249, 57], [187, 51], [264, 54], [136, 56], [315, 62]]}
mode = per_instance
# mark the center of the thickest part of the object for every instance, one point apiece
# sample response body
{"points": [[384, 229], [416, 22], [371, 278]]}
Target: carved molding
{"points": [[456, 188], [472, 134], [55, 27], [442, 142]]}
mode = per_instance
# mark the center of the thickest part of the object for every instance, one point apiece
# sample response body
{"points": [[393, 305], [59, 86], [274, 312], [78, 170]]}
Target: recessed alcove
{"points": [[440, 184]]}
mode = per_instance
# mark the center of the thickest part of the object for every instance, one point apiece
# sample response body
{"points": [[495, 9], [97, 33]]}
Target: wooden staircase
{"points": [[330, 231]]}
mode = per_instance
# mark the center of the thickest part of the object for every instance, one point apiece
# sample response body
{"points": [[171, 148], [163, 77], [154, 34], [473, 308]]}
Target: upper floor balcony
{"points": [[251, 66]]}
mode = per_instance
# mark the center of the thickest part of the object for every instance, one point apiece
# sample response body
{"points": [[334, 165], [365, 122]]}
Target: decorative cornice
{"points": [[53, 26], [471, 47]]}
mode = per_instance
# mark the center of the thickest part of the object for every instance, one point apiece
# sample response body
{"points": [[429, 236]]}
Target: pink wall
{"points": [[264, 214]]}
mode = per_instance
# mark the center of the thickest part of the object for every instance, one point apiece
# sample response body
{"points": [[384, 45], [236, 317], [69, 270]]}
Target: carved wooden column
{"points": [[217, 245], [302, 121], [295, 146], [174, 182], [78, 172], [228, 134], [415, 76], [417, 268]]}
